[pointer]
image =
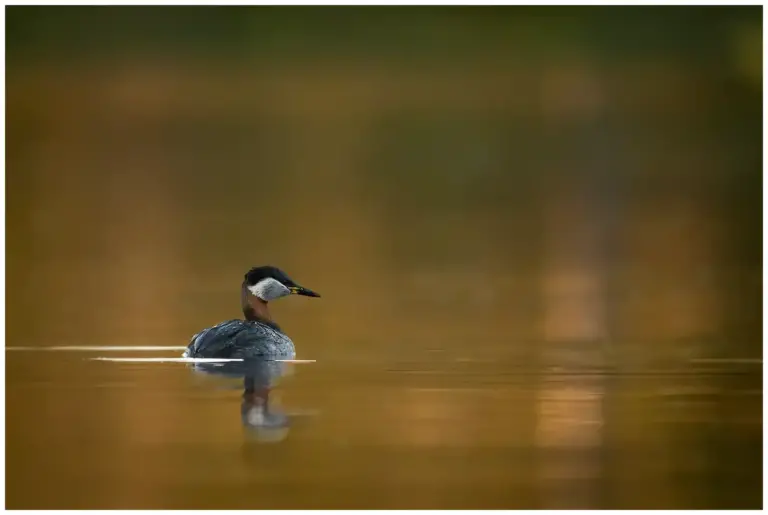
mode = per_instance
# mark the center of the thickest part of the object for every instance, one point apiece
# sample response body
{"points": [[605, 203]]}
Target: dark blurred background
{"points": [[548, 188]]}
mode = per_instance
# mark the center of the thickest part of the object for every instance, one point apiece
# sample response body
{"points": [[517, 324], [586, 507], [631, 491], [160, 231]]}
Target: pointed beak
{"points": [[300, 290]]}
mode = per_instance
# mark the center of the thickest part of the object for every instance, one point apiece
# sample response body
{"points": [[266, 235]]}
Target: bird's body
{"points": [[241, 339], [257, 336]]}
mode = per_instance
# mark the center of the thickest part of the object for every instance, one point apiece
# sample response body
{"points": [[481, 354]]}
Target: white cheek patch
{"points": [[269, 289]]}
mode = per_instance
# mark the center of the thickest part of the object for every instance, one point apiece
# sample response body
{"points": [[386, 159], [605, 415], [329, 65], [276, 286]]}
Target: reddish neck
{"points": [[253, 307]]}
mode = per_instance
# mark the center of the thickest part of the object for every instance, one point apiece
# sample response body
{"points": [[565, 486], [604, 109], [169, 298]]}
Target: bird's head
{"points": [[268, 283]]}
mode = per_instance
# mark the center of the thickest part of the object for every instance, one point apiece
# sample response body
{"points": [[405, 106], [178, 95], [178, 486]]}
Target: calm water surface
{"points": [[440, 433], [478, 205]]}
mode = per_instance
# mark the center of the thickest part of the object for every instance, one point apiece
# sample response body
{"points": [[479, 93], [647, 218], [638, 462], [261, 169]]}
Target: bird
{"points": [[257, 336]]}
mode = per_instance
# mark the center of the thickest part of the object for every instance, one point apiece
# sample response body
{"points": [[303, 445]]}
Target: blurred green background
{"points": [[546, 187]]}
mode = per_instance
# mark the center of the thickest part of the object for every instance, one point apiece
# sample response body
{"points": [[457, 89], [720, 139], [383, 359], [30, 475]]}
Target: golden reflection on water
{"points": [[372, 435]]}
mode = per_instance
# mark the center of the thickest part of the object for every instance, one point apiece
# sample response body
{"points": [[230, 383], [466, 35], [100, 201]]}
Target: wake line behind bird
{"points": [[141, 348], [99, 348], [193, 360]]}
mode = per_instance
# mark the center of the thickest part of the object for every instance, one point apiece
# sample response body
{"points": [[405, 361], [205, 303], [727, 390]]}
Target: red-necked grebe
{"points": [[258, 336]]}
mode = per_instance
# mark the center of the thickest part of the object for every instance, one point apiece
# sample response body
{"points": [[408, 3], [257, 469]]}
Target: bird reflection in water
{"points": [[263, 420]]}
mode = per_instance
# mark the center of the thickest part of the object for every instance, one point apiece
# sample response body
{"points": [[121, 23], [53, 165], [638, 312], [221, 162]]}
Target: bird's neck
{"points": [[254, 308], [257, 310]]}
